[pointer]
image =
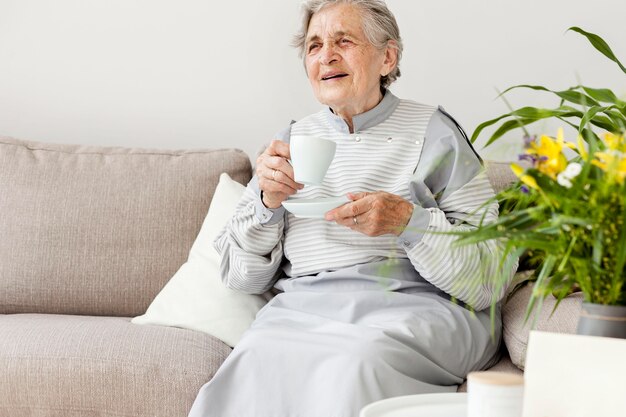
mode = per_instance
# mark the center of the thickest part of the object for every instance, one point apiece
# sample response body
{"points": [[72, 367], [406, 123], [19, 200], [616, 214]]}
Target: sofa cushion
{"points": [[196, 298], [71, 366], [516, 330], [500, 175], [99, 231]]}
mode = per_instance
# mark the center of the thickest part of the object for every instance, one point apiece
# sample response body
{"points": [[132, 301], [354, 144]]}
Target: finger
{"points": [[270, 186], [266, 174], [273, 162], [331, 214], [262, 163], [278, 180], [360, 223], [347, 211], [279, 148], [284, 171], [348, 222], [280, 177], [357, 196]]}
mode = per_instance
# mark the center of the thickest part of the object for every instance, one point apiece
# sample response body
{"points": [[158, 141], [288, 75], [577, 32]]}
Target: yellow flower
{"points": [[517, 170], [525, 178], [581, 148], [621, 170], [615, 142], [612, 162], [549, 154]]}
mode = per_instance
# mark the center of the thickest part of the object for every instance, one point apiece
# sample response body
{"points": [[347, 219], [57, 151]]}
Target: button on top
{"points": [[358, 138], [389, 140]]}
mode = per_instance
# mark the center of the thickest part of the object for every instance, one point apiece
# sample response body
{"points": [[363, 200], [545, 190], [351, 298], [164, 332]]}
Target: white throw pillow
{"points": [[195, 297]]}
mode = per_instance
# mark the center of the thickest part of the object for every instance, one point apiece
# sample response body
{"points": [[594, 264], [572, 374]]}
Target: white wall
{"points": [[200, 73]]}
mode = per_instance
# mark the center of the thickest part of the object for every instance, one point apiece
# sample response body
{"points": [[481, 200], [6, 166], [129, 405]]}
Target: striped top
{"points": [[409, 149]]}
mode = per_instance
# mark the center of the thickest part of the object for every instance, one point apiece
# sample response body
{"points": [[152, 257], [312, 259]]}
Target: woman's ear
{"points": [[391, 58]]}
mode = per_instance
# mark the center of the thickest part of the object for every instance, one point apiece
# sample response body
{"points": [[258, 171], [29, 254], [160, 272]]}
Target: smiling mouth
{"points": [[334, 76]]}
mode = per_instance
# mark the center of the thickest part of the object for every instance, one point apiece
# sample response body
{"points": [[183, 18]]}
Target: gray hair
{"points": [[379, 26]]}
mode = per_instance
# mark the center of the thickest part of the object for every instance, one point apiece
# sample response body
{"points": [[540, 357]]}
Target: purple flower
{"points": [[527, 157], [524, 189], [528, 140]]}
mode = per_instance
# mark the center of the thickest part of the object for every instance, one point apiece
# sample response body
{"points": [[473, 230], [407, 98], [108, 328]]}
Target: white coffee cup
{"points": [[494, 394], [311, 156]]}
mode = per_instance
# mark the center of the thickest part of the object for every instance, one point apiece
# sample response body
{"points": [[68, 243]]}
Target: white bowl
{"points": [[450, 404], [313, 208]]}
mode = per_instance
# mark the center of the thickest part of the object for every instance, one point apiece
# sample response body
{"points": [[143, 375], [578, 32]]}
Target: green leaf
{"points": [[577, 98], [508, 126], [605, 123], [599, 44], [546, 268], [598, 120], [538, 113], [598, 247], [561, 219], [592, 139], [603, 94], [621, 251], [533, 87], [617, 119], [570, 95], [588, 116], [536, 244], [567, 255], [523, 214], [483, 125], [610, 123], [531, 114]]}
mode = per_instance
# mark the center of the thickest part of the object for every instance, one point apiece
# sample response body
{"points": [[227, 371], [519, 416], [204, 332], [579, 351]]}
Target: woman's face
{"points": [[343, 67]]}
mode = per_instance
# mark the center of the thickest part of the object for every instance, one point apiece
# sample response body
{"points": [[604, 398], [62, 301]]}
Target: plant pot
{"points": [[602, 320]]}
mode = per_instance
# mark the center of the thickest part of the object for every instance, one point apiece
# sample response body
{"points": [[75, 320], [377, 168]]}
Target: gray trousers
{"points": [[314, 354]]}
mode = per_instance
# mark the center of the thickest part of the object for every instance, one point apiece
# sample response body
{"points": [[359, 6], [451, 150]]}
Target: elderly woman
{"points": [[371, 301]]}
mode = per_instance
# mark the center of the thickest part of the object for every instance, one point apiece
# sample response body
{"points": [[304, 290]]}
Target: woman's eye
{"points": [[346, 41], [313, 47]]}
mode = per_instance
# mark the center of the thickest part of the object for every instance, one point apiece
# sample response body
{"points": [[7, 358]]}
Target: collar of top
{"points": [[368, 119]]}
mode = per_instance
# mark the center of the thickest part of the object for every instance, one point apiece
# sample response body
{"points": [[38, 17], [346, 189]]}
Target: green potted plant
{"points": [[568, 215]]}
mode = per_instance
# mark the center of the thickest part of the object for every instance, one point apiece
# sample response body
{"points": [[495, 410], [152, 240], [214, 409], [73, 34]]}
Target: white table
{"points": [[423, 405]]}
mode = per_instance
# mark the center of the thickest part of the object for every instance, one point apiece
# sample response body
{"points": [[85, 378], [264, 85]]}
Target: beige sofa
{"points": [[88, 237]]}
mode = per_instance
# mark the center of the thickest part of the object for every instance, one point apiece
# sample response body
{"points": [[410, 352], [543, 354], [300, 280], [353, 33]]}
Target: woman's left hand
{"points": [[374, 214]]}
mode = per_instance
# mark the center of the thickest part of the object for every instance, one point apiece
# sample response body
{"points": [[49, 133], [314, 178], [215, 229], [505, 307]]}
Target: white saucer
{"points": [[313, 208]]}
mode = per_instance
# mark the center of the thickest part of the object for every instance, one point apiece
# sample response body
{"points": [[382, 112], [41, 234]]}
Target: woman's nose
{"points": [[328, 54]]}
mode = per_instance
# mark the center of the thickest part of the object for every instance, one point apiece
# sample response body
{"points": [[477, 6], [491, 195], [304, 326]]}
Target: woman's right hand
{"points": [[275, 174]]}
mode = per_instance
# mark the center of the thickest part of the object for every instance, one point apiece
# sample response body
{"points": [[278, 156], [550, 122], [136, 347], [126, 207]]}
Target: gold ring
{"points": [[354, 220]]}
